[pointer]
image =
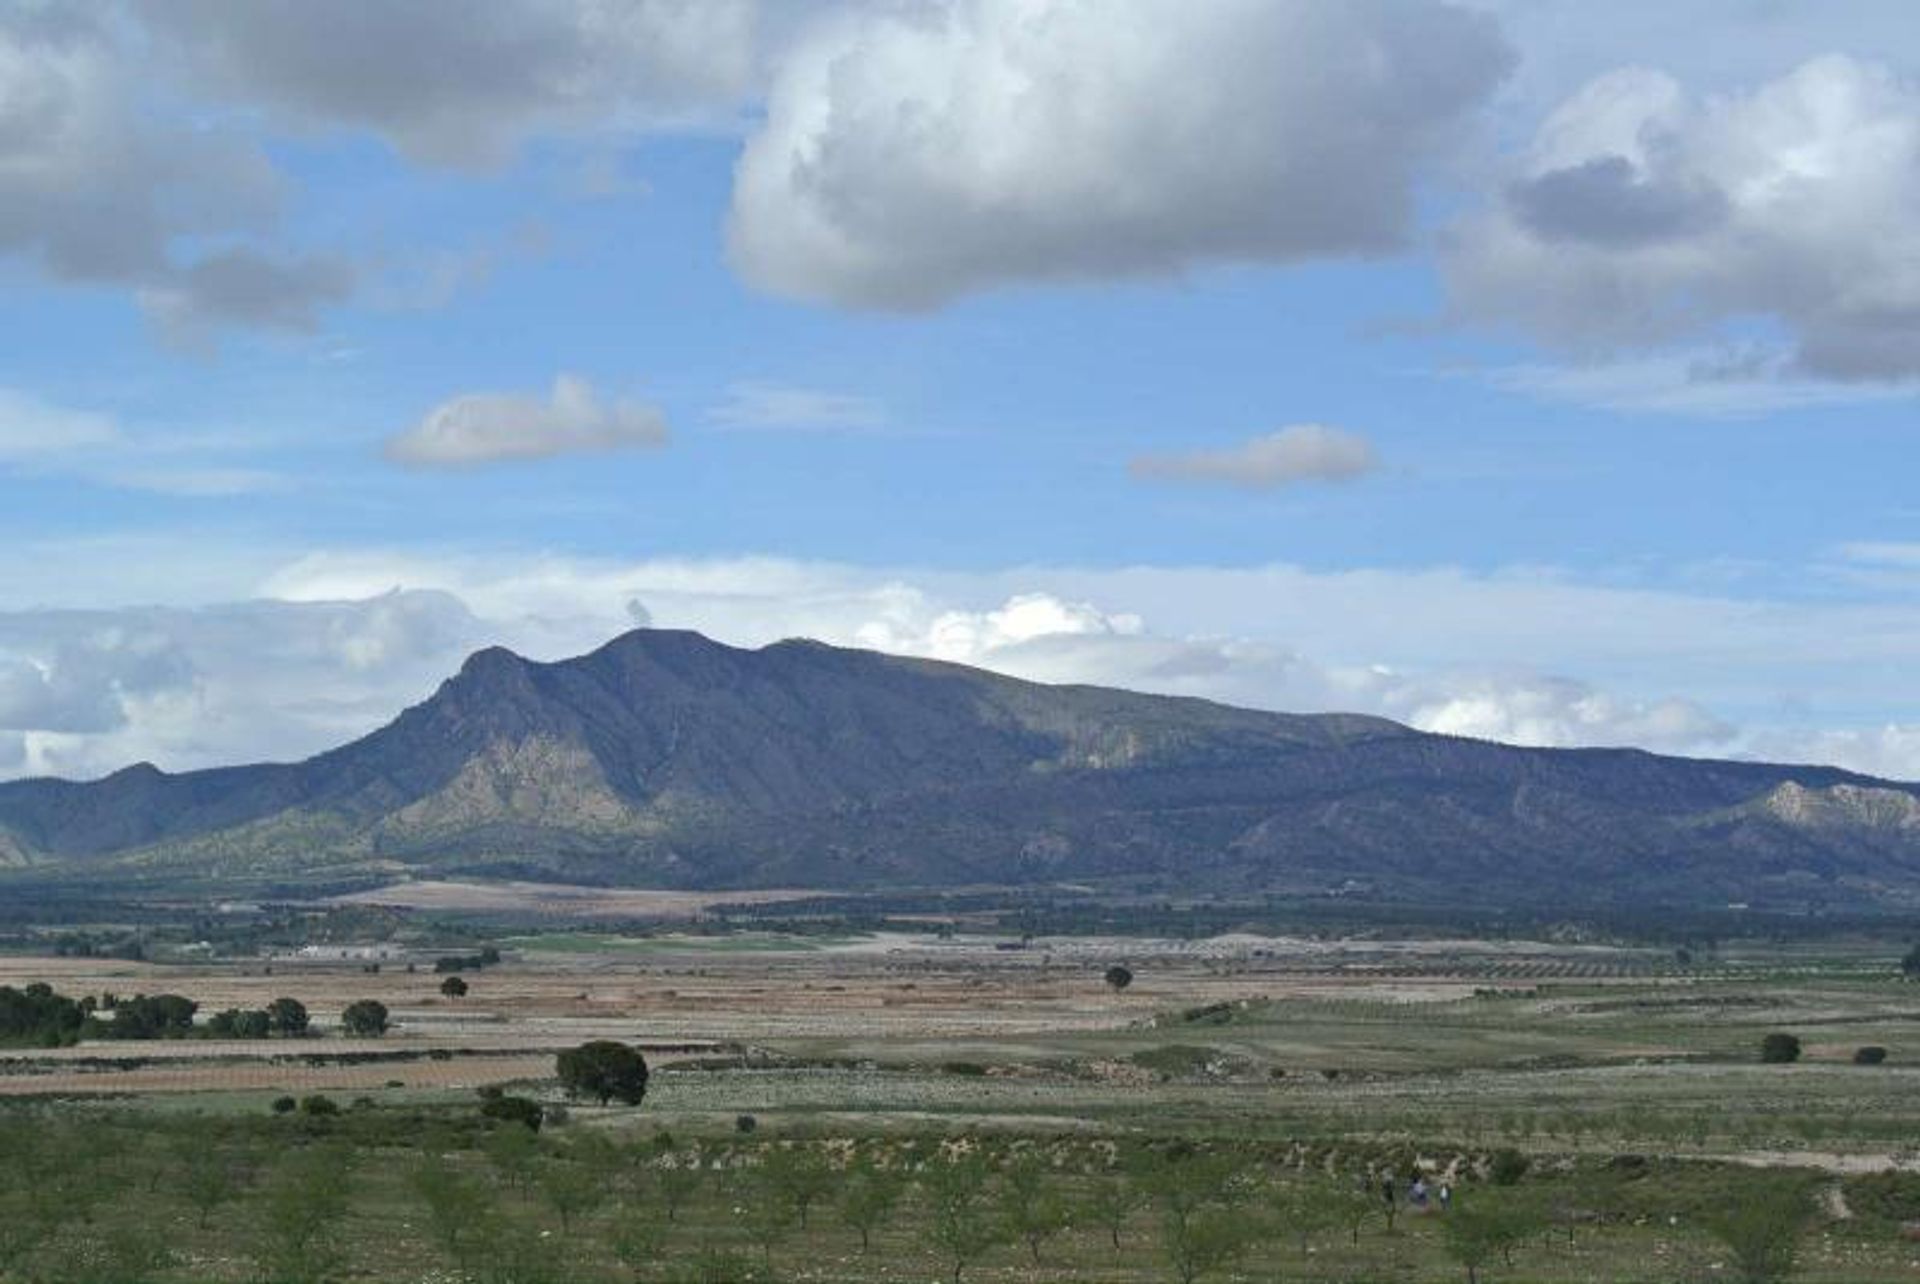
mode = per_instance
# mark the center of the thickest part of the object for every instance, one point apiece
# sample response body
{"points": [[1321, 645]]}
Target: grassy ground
{"points": [[1632, 1088], [428, 1196]]}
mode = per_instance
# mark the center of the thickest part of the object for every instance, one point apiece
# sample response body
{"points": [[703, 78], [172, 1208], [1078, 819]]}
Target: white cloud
{"points": [[33, 430], [1727, 382], [1300, 452], [87, 692], [773, 405], [448, 88], [332, 650], [38, 438], [91, 189], [491, 427], [912, 155], [1891, 751], [1641, 212], [1533, 709], [241, 287], [101, 185]]}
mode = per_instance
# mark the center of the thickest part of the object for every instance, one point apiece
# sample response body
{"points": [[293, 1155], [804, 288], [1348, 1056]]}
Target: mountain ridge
{"points": [[667, 758]]}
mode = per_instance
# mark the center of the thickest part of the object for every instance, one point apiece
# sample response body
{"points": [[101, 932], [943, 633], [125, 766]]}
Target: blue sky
{"points": [[1542, 372]]}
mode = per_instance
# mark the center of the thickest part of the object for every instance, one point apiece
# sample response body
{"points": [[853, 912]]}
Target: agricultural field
{"points": [[907, 1104]]}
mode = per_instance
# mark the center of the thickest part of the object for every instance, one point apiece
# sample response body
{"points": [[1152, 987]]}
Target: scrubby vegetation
{"points": [[320, 1194]]}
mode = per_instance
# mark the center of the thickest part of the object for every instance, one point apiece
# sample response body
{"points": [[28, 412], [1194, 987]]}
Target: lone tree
{"points": [[288, 1017], [454, 988], [1779, 1048], [1119, 977], [365, 1019], [1762, 1233], [604, 1070]]}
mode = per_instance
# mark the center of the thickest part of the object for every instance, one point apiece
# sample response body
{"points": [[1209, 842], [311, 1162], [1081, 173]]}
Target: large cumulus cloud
{"points": [[451, 85], [914, 154], [1642, 212]]}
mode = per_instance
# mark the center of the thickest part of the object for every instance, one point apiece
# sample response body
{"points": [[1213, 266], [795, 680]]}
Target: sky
{"points": [[1542, 371]]}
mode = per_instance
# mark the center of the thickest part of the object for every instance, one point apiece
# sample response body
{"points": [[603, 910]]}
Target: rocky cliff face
{"points": [[666, 758]]}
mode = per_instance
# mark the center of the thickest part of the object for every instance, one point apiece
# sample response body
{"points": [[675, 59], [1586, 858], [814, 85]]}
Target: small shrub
{"points": [[319, 1105], [1871, 1055], [1779, 1048], [745, 1123], [1507, 1166], [498, 1106], [284, 1105]]}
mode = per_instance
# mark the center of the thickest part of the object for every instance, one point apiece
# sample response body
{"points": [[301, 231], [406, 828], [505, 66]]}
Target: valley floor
{"points": [[1616, 1093]]}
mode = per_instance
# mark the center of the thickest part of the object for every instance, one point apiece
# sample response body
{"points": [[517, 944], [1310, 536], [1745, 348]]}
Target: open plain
{"points": [[1624, 1076]]}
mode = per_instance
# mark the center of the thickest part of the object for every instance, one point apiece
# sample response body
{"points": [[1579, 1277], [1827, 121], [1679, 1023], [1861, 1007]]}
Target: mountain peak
{"points": [[665, 758], [492, 659]]}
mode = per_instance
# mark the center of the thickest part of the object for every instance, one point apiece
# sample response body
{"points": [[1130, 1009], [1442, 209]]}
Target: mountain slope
{"points": [[664, 757]]}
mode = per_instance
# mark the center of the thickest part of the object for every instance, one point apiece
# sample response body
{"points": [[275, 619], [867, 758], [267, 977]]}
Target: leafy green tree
{"points": [[151, 1016], [454, 988], [572, 1189], [305, 1200], [677, 1178], [36, 1017], [766, 1214], [457, 1208], [1477, 1233], [1507, 1166], [868, 1196], [506, 1108], [513, 1152], [365, 1019], [1206, 1240], [1307, 1207], [1779, 1048], [962, 1225], [1111, 1201], [1031, 1204], [207, 1175], [640, 1239], [1119, 977], [1762, 1231], [1471, 1237], [289, 1018], [1352, 1204], [605, 1070], [799, 1175]]}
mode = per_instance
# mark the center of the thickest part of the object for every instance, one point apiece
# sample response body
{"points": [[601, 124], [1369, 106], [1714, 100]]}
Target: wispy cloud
{"points": [[46, 440], [1713, 383], [1302, 452], [496, 427], [785, 406]]}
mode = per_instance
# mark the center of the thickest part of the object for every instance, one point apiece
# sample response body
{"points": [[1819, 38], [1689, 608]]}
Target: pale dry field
{"points": [[920, 996]]}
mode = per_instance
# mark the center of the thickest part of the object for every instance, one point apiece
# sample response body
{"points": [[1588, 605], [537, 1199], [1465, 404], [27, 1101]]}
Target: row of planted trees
{"points": [[305, 1202], [37, 1016]]}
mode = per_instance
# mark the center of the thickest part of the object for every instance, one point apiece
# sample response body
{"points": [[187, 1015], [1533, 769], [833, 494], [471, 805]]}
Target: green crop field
{"points": [[845, 1106]]}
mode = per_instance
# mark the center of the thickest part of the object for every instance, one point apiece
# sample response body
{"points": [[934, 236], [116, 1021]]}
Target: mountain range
{"points": [[667, 759]]}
